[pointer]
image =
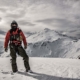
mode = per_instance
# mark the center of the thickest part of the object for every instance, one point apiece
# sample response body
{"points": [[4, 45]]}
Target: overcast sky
{"points": [[33, 15]]}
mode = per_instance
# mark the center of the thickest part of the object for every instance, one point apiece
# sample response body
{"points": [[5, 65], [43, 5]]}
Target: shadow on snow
{"points": [[40, 76]]}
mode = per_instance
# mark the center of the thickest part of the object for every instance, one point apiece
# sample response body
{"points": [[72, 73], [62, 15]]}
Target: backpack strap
{"points": [[19, 30]]}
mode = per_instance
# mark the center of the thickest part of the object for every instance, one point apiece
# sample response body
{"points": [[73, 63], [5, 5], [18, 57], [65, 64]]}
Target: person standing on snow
{"points": [[16, 36]]}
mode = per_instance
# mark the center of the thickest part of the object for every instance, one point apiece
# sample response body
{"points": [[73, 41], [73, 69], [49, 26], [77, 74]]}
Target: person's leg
{"points": [[13, 60], [22, 53]]}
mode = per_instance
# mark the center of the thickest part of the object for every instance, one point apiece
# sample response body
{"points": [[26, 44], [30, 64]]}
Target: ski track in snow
{"points": [[43, 68]]}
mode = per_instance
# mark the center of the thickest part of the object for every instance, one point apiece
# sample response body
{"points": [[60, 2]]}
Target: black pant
{"points": [[22, 53]]}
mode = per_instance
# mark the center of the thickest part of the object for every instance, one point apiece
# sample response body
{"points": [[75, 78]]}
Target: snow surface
{"points": [[43, 68]]}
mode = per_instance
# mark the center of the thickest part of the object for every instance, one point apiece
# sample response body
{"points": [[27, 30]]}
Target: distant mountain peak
{"points": [[46, 29]]}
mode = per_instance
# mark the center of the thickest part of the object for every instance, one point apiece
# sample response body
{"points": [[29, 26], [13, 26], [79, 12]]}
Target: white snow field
{"points": [[43, 69]]}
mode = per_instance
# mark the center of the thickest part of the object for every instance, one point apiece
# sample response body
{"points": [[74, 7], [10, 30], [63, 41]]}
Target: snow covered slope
{"points": [[43, 68], [50, 43]]}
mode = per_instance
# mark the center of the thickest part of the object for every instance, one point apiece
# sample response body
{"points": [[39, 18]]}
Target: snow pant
{"points": [[22, 53]]}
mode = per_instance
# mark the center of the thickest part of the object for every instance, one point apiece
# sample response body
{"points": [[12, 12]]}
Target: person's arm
{"points": [[6, 40], [24, 40]]}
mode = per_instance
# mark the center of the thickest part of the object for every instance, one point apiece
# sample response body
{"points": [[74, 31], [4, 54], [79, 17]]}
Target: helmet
{"points": [[14, 22], [12, 25]]}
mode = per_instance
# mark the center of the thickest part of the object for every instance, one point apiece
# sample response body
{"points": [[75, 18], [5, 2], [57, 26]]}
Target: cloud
{"points": [[60, 23], [24, 22], [2, 9], [61, 15]]}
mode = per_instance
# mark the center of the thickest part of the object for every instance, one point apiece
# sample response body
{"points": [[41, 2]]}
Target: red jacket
{"points": [[7, 38]]}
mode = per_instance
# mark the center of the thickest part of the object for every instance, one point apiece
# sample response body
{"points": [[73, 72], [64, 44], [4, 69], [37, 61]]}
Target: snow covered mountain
{"points": [[50, 43]]}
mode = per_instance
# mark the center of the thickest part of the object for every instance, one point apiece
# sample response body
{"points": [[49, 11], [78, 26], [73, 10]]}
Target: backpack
{"points": [[15, 38]]}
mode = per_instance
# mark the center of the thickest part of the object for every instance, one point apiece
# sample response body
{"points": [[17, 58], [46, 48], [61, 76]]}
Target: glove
{"points": [[25, 47], [6, 49]]}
